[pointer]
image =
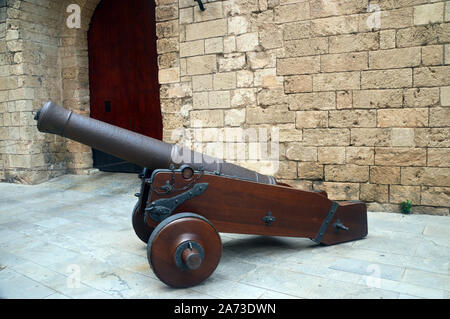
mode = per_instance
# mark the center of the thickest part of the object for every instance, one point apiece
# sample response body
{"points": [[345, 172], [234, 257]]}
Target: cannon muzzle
{"points": [[133, 147]]}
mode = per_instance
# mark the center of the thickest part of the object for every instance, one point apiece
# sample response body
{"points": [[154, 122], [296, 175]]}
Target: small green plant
{"points": [[406, 207]]}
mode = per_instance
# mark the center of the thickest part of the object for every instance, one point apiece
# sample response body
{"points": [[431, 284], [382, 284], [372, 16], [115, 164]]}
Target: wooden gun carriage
{"points": [[182, 207]]}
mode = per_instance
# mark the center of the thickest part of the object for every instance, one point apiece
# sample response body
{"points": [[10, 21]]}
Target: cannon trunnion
{"points": [[181, 210]]}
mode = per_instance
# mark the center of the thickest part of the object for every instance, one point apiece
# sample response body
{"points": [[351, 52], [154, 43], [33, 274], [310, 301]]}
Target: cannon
{"points": [[187, 198]]}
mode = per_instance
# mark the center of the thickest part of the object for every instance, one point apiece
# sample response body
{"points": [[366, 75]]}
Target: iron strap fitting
{"points": [[326, 222]]}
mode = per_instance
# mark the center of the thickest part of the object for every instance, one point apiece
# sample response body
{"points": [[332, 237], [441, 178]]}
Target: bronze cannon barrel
{"points": [[133, 147]]}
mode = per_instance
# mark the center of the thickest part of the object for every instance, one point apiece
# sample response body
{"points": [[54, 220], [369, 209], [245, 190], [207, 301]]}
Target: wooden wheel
{"points": [[184, 249], [142, 230]]}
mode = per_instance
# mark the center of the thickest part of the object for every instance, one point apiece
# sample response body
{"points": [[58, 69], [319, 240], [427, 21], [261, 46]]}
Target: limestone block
{"points": [[374, 193], [201, 64], [326, 137], [292, 12], [436, 196], [433, 55], [186, 15], [168, 60], [353, 118], [200, 100], [306, 47], [409, 117], [269, 116], [354, 42], [229, 44], [336, 81], [202, 82], [244, 78], [167, 45], [421, 97], [339, 191], [390, 19], [192, 48], [430, 176], [290, 135], [243, 97], [429, 13], [231, 62], [377, 98], [344, 62], [384, 175], [335, 25], [371, 137], [297, 30], [310, 171], [219, 99], [432, 76], [302, 65], [311, 119], [324, 8], [447, 50], [387, 39], [234, 117], [395, 156], [344, 99], [271, 96], [386, 79], [237, 25], [271, 37], [445, 96], [312, 101], [224, 81], [403, 137], [395, 58], [214, 10], [439, 157], [432, 137], [346, 173], [331, 155], [440, 117], [169, 75], [298, 84], [21, 94], [287, 169], [172, 121], [214, 45], [360, 155], [207, 118], [263, 59], [295, 151], [208, 29], [164, 13], [247, 42], [267, 78], [423, 35]]}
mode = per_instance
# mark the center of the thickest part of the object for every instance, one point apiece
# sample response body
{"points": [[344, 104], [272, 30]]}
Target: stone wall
{"points": [[362, 108], [41, 59], [360, 95]]}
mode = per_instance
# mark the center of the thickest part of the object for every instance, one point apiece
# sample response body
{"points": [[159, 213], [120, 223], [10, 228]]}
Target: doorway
{"points": [[123, 73]]}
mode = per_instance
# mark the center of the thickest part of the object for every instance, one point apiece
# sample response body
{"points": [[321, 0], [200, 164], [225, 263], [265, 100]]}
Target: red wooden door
{"points": [[123, 71]]}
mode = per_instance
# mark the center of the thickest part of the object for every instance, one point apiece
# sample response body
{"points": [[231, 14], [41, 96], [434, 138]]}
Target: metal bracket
{"points": [[338, 225], [200, 4], [269, 219], [326, 222], [162, 208]]}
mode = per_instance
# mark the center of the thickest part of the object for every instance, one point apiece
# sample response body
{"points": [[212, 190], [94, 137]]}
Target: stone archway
{"points": [[45, 60], [74, 64]]}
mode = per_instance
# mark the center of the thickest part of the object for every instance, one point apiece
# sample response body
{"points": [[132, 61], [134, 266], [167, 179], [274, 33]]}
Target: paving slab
{"points": [[71, 237]]}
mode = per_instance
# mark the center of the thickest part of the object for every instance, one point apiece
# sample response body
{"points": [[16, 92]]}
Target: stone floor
{"points": [[71, 237]]}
